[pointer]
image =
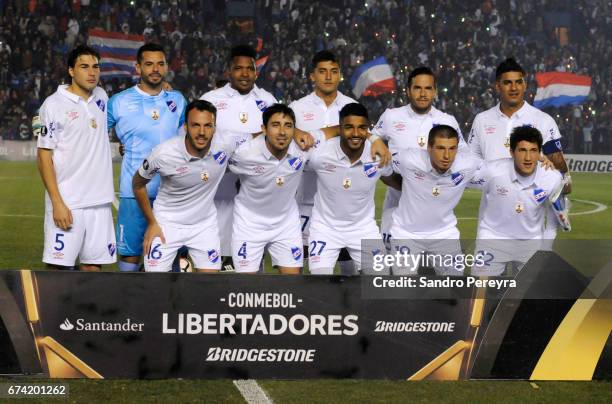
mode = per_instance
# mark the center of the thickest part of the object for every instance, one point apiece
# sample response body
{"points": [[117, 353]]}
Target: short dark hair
{"points": [[200, 105], [354, 108], [80, 51], [277, 109], [421, 70], [443, 131], [149, 47], [508, 65], [526, 133], [323, 56], [241, 50]]}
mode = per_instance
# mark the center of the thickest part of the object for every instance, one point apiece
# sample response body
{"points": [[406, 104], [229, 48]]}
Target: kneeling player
{"points": [[516, 195], [183, 214], [343, 212]]}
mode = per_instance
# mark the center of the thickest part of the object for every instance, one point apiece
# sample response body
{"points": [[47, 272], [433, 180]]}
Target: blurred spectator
{"points": [[461, 41]]}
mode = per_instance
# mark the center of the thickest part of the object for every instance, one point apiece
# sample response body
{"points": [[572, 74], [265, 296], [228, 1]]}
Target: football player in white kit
{"points": [[74, 159], [517, 193], [240, 104], [433, 182], [490, 134], [408, 127], [317, 110], [343, 212], [191, 167]]}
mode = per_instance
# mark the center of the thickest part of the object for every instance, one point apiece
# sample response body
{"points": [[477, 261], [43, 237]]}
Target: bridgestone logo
{"points": [[217, 354], [391, 326]]}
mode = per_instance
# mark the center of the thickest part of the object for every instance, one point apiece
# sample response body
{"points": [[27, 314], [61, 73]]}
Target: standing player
{"points": [[490, 135], [517, 193], [143, 116], [433, 181], [240, 105], [343, 213], [191, 168], [317, 110], [408, 127], [74, 159]]}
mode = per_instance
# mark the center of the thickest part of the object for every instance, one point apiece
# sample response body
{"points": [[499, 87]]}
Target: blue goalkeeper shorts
{"points": [[131, 227]]}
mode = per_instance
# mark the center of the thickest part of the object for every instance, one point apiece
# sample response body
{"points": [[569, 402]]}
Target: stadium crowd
{"points": [[461, 41]]}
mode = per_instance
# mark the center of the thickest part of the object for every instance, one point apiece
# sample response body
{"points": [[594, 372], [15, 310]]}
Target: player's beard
{"points": [[420, 110], [152, 85]]}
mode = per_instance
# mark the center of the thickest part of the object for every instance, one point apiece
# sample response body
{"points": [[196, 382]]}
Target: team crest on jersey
{"points": [[346, 183], [308, 116], [111, 249], [540, 195], [421, 141], [280, 181], [155, 114], [101, 104], [519, 208], [435, 191], [370, 169], [171, 106], [261, 104], [507, 142], [456, 178], [93, 123], [244, 117], [296, 163], [204, 176], [296, 252], [220, 157], [213, 256]]}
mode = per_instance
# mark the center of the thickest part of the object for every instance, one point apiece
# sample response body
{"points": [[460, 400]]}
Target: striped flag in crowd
{"points": [[261, 63], [373, 78], [117, 52], [560, 88]]}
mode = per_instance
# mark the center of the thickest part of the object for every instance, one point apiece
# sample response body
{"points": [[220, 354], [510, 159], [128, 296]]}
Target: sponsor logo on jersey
{"points": [[182, 170], [221, 105], [145, 164], [171, 106], [220, 157], [213, 256], [308, 116], [72, 115], [296, 163], [111, 249], [457, 178], [101, 104], [540, 195], [370, 169], [419, 175], [329, 167], [296, 252], [259, 169], [489, 129], [399, 126], [261, 104], [501, 190]]}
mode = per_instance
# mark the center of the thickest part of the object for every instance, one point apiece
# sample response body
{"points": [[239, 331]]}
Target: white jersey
{"points": [[426, 206], [311, 113], [402, 128], [511, 206], [75, 130], [266, 204], [345, 201], [490, 135], [237, 113], [188, 183]]}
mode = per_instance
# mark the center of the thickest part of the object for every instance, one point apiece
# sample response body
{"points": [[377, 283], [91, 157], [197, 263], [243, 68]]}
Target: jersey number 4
{"points": [[242, 252]]}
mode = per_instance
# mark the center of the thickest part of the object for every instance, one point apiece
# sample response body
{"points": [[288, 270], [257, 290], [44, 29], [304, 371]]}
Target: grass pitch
{"points": [[21, 242]]}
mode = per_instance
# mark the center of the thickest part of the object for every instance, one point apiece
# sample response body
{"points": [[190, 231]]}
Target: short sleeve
{"points": [[474, 139], [151, 165], [50, 130], [551, 137], [111, 120], [380, 129], [184, 107]]}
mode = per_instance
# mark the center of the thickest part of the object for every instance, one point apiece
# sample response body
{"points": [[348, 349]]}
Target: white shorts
{"points": [[386, 222], [496, 253], [305, 215], [91, 238], [442, 251], [225, 220], [325, 245], [201, 241], [285, 252]]}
